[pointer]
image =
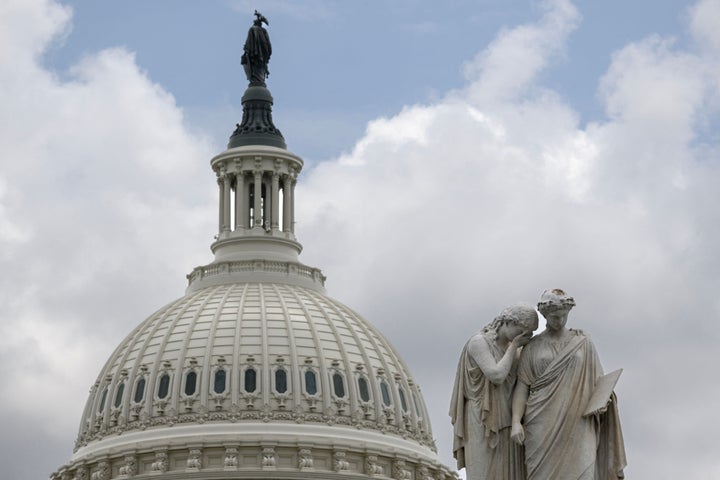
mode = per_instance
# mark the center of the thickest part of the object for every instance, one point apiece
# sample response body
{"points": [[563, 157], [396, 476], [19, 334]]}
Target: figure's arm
{"points": [[519, 402], [479, 350]]}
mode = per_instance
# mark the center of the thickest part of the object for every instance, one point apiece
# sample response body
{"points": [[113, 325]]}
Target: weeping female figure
{"points": [[557, 381], [480, 407]]}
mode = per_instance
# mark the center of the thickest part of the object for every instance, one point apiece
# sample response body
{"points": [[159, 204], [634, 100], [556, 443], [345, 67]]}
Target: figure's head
{"points": [[515, 320], [555, 305]]}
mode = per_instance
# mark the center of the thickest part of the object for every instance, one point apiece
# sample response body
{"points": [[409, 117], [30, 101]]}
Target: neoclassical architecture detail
{"points": [[255, 372]]}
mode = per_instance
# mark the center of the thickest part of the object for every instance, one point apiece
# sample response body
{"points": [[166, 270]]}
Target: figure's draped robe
{"points": [[481, 417], [560, 443]]}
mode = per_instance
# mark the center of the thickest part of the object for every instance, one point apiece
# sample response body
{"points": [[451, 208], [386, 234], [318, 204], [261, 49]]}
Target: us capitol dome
{"points": [[255, 372]]}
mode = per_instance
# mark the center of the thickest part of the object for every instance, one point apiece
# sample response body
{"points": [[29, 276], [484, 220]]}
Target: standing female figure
{"points": [[480, 405], [557, 374]]}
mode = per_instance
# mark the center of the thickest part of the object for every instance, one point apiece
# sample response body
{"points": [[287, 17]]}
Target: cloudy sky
{"points": [[459, 157]]}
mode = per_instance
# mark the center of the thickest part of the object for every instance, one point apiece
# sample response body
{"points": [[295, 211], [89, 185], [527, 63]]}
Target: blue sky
{"points": [[345, 63], [459, 158]]}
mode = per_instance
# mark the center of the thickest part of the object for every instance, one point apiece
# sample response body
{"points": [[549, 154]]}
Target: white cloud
{"points": [[98, 175], [438, 218], [445, 213]]}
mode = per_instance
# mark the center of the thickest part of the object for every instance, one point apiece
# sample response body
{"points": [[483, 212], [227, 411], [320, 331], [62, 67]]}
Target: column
{"points": [[257, 208], [221, 207], [240, 201], [292, 202], [226, 203], [275, 200], [286, 203]]}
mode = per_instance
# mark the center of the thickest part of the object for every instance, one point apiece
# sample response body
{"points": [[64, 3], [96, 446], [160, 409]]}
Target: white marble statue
{"points": [[557, 375], [480, 407]]}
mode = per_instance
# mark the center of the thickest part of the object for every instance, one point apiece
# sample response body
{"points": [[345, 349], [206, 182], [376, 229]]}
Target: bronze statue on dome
{"points": [[257, 51]]}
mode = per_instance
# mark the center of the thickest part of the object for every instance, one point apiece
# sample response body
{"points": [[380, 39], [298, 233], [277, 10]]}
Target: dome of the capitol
{"points": [[255, 372]]}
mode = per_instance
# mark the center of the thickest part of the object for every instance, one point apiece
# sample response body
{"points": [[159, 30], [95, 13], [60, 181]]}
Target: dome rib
{"points": [[235, 378], [294, 372], [207, 365]]}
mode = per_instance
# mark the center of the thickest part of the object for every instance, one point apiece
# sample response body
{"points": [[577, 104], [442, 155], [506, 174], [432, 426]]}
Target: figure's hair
{"points": [[555, 299], [520, 314]]}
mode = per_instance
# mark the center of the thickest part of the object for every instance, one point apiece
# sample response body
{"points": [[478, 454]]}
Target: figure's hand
{"points": [[522, 339], [517, 433]]}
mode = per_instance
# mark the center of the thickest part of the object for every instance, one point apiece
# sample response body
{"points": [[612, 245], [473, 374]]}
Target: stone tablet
{"points": [[604, 387]]}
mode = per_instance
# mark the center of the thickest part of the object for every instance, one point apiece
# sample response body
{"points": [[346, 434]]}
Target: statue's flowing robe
{"points": [[257, 51], [481, 417], [561, 443]]}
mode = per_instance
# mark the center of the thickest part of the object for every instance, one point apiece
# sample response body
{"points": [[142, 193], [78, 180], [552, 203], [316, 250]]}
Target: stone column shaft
{"points": [[221, 206], [257, 208], [275, 201], [227, 190], [240, 201], [286, 203]]}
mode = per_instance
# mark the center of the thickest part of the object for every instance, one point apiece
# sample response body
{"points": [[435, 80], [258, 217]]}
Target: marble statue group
{"points": [[535, 408]]}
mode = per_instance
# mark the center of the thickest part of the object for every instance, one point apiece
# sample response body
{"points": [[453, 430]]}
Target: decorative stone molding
{"points": [[194, 460], [289, 269], [340, 464], [305, 459], [160, 465], [269, 459], [400, 472], [230, 462], [81, 473], [129, 469], [102, 471], [372, 467]]}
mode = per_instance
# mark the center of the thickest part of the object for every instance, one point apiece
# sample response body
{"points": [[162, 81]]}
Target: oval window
{"points": [[403, 403], [310, 382], [119, 394], [280, 380], [338, 385], [190, 383], [220, 377], [385, 394], [250, 380], [164, 387], [364, 391], [102, 400], [139, 390]]}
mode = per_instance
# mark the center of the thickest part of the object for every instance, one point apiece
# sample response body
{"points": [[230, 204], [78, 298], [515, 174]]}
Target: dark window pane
{"points": [[364, 392], [250, 376], [403, 403], [220, 381], [102, 401], [280, 381], [310, 382], [385, 393], [338, 385], [139, 390], [119, 394], [164, 387], [190, 383]]}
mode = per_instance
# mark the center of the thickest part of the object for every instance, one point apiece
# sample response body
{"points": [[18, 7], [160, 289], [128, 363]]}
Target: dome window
{"points": [[385, 394], [119, 394], [403, 402], [310, 382], [220, 381], [164, 387], [139, 390], [364, 390], [338, 385], [102, 400], [417, 406], [250, 380], [280, 380], [190, 383]]}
